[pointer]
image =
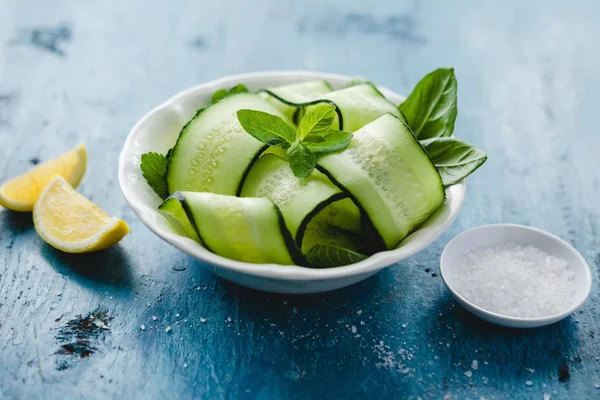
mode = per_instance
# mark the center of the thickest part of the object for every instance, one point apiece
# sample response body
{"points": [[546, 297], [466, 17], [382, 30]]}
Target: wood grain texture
{"points": [[86, 71]]}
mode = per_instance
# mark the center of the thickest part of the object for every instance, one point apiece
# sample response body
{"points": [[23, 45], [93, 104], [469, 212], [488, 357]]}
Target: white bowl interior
{"points": [[491, 235], [158, 131]]}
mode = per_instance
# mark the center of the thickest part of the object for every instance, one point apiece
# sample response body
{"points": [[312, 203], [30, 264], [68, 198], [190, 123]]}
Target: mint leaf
{"points": [[222, 93], [327, 256], [268, 128], [239, 88], [154, 167], [302, 161], [219, 95], [430, 109], [453, 158], [316, 121], [331, 142]]}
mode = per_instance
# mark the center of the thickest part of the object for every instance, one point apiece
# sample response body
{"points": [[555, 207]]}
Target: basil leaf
{"points": [[267, 128], [154, 168], [332, 256], [316, 121], [302, 161], [331, 142], [453, 158], [431, 107], [218, 96]]}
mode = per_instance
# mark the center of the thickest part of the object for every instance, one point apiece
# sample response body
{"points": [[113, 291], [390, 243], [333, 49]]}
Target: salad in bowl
{"points": [[299, 181]]}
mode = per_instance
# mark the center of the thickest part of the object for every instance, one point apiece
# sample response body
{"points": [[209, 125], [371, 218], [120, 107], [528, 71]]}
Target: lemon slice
{"points": [[20, 193], [70, 222]]}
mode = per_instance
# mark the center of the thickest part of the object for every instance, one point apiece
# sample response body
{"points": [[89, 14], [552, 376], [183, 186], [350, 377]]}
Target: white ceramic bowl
{"points": [[491, 235], [159, 129]]}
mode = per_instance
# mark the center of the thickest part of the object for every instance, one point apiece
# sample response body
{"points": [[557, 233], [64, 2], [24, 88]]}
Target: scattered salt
{"points": [[404, 325], [228, 319], [203, 320], [546, 396], [142, 327], [468, 374], [474, 364], [359, 312], [528, 383], [184, 365], [516, 281], [168, 329], [353, 329], [597, 386], [177, 315], [154, 318]]}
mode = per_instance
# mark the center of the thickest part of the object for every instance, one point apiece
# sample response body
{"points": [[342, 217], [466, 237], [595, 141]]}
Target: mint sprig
{"points": [[154, 168], [302, 160], [222, 93], [313, 138], [331, 142], [317, 121], [268, 128]]}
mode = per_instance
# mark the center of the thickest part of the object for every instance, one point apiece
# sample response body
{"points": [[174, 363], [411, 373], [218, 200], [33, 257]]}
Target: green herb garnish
{"points": [[302, 160], [222, 93], [327, 255], [154, 167], [313, 138], [430, 109], [453, 158], [317, 121], [268, 128]]}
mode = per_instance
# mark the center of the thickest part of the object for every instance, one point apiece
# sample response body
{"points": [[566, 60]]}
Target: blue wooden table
{"points": [[95, 326]]}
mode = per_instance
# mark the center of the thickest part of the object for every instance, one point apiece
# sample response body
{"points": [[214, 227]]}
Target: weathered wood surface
{"points": [[85, 71]]}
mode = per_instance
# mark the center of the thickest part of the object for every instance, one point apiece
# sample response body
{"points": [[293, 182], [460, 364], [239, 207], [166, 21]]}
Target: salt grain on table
{"points": [[516, 281]]}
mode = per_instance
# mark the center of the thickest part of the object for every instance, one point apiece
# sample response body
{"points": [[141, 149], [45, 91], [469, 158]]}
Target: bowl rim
{"points": [[522, 321], [372, 264]]}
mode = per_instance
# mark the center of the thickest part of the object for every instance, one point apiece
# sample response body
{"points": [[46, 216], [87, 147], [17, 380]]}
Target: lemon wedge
{"points": [[20, 193], [70, 222]]}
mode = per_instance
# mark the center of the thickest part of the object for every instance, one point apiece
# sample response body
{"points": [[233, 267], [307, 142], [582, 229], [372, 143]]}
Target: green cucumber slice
{"points": [[244, 229], [213, 152], [389, 176], [359, 105], [288, 98], [298, 199], [173, 211]]}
